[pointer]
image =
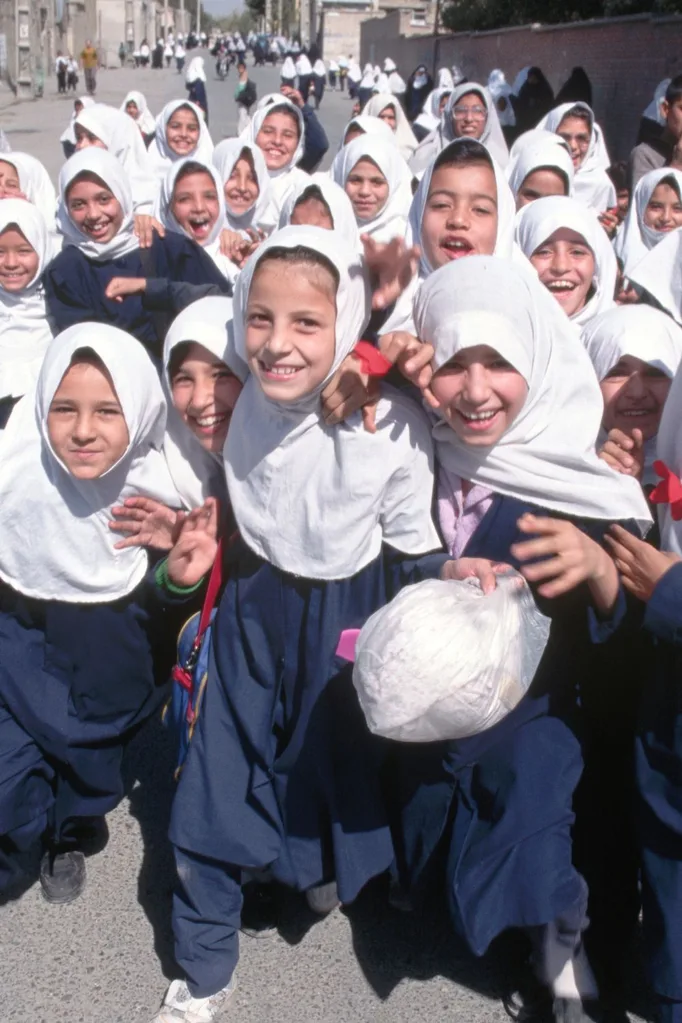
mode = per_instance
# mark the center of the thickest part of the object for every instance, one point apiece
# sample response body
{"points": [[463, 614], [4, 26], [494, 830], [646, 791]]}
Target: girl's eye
{"points": [[500, 364], [257, 318], [484, 210], [308, 323], [580, 253]]}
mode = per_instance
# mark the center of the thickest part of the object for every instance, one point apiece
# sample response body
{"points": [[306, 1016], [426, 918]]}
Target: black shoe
{"points": [[260, 910], [62, 876]]}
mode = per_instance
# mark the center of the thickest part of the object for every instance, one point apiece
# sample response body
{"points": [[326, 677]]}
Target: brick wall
{"points": [[624, 57]]}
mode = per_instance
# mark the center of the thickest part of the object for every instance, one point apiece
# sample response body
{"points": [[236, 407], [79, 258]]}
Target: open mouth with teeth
{"points": [[97, 229], [455, 248], [562, 290], [279, 373], [479, 422], [9, 277], [200, 226], [209, 425]]}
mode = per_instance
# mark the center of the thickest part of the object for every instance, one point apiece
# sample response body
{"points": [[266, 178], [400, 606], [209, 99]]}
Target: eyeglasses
{"points": [[478, 113]]}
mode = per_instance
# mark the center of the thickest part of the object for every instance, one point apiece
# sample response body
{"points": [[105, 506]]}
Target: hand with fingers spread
{"points": [[145, 227], [641, 566], [392, 265], [624, 453], [569, 558], [119, 288], [147, 523], [475, 568], [195, 548], [413, 358]]}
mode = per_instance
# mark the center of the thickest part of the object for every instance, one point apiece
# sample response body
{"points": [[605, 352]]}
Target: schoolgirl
{"points": [[24, 332], [135, 106], [287, 72], [320, 202], [68, 136], [429, 117], [304, 72], [576, 124], [419, 86], [76, 627], [181, 132], [195, 83], [377, 182], [388, 108], [655, 210], [363, 124], [279, 131], [191, 202], [24, 176], [96, 220], [315, 546], [470, 113], [659, 274], [540, 168], [246, 185], [104, 127], [517, 408], [571, 253], [365, 86]]}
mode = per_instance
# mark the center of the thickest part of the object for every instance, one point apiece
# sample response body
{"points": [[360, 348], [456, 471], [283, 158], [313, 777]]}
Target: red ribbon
{"points": [[668, 491], [372, 361]]}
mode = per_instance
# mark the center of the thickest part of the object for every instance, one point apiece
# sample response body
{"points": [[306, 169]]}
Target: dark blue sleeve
{"points": [[182, 260], [68, 298], [663, 615], [164, 294], [316, 141]]}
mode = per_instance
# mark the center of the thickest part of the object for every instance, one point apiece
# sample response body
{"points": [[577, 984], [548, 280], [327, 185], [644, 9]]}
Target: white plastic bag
{"points": [[444, 661]]}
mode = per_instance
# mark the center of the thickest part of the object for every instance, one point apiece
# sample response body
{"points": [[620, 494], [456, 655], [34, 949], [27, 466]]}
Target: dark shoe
{"points": [[62, 876], [260, 910], [571, 1010], [91, 834]]}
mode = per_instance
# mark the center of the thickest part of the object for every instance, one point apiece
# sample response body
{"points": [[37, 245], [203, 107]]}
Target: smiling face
{"points": [[469, 116], [131, 109], [278, 138], [540, 183], [576, 133], [460, 216], [313, 212], [664, 209], [634, 394], [290, 328], [182, 131], [85, 423], [480, 395], [241, 188], [367, 189], [18, 260], [205, 393], [94, 208], [85, 138], [388, 115], [9, 180], [565, 265], [195, 205]]}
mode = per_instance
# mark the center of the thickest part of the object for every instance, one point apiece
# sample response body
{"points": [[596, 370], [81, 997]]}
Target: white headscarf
{"points": [[381, 84], [367, 80], [24, 331], [319, 69], [643, 333], [107, 168], [340, 207], [396, 83], [35, 183], [536, 137], [491, 137], [354, 74], [404, 135], [547, 455], [261, 215], [445, 79], [286, 177], [160, 153], [537, 221], [499, 88], [370, 126], [303, 66], [69, 133], [653, 111], [314, 500], [146, 121], [195, 71], [197, 473], [429, 118], [123, 140], [288, 69], [637, 238], [57, 544], [660, 273], [545, 153], [506, 211], [391, 221], [163, 213], [592, 186]]}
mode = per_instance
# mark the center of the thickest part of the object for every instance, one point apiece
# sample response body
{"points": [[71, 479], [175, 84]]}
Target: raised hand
{"points": [[640, 565], [145, 227], [624, 453], [119, 288], [392, 266], [196, 545], [146, 522]]}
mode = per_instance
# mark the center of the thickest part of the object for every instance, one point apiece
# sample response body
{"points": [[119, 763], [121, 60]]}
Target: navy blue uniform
{"points": [[283, 772], [75, 286]]}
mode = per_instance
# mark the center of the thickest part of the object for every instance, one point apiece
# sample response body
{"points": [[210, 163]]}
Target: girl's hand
{"points": [[610, 221], [392, 265], [231, 244], [569, 559], [640, 565], [624, 453], [148, 523], [475, 568], [196, 545], [145, 226], [119, 288], [413, 358], [351, 390]]}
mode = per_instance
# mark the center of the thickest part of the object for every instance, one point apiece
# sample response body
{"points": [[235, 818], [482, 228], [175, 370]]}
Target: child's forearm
{"points": [[604, 586]]}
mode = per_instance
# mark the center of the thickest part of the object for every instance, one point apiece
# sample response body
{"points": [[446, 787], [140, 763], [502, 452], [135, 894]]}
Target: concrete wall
{"points": [[624, 57], [340, 32]]}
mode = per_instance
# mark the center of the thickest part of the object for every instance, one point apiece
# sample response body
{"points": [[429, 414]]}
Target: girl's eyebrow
{"points": [[454, 195]]}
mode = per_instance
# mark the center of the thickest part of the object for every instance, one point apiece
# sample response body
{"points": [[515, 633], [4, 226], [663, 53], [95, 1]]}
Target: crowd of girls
{"points": [[457, 349]]}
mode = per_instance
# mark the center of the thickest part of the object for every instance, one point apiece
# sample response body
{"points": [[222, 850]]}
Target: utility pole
{"points": [[268, 15], [165, 21], [198, 17], [182, 17]]}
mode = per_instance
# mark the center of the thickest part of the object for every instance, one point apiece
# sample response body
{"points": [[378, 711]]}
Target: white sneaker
{"points": [[179, 1006]]}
